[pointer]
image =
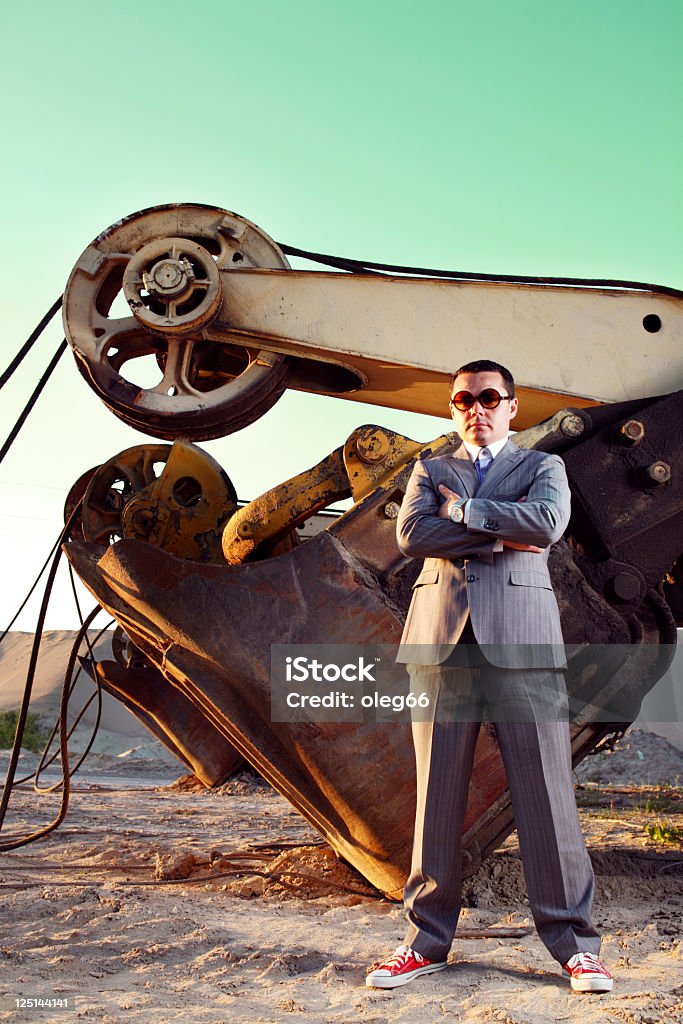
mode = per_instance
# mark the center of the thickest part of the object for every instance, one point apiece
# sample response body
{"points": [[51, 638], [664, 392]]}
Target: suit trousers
{"points": [[527, 708]]}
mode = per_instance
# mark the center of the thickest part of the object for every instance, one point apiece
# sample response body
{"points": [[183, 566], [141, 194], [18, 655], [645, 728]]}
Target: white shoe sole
{"points": [[592, 985], [377, 980], [589, 984]]}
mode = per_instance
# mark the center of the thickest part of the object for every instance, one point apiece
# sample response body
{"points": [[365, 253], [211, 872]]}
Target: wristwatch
{"points": [[456, 510]]}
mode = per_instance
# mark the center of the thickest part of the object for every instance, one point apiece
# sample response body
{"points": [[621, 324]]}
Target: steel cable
{"points": [[98, 694], [33, 587], [28, 688], [33, 661], [98, 717], [28, 345], [33, 399], [367, 266], [15, 841]]}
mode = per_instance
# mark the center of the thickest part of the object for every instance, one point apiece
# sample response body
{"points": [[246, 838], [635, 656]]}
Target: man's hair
{"points": [[486, 366]]}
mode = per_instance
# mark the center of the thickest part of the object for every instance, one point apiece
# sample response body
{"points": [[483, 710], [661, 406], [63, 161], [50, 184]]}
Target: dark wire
{"points": [[28, 345], [32, 400], [366, 266], [80, 613], [98, 694], [30, 674], [16, 841], [33, 587]]}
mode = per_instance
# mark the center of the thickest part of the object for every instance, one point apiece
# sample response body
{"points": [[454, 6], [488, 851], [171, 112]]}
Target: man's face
{"points": [[477, 425]]}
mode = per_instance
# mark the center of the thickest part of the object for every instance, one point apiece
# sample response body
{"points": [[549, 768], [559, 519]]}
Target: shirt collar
{"points": [[495, 448]]}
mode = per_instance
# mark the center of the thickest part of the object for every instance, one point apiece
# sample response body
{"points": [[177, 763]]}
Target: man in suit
{"points": [[483, 640]]}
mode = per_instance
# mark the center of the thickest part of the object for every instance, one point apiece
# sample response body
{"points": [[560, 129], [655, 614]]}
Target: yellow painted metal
{"points": [[175, 497], [370, 455], [372, 452], [279, 510]]}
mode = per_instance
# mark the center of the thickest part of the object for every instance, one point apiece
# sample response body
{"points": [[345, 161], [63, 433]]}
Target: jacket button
{"points": [[472, 579]]}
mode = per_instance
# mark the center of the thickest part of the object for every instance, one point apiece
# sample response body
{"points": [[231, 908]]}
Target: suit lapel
{"points": [[504, 463], [466, 473]]}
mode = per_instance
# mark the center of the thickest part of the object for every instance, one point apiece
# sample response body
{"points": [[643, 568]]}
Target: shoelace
{"points": [[402, 955], [587, 961]]}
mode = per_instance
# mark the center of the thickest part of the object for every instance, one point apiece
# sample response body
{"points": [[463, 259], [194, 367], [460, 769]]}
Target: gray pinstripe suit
{"points": [[504, 601]]}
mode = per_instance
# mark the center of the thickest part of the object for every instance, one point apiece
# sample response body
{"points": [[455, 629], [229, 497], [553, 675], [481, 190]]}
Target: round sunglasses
{"points": [[489, 398]]}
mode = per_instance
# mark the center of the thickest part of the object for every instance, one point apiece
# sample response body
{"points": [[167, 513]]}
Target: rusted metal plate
{"points": [[173, 719], [210, 630]]}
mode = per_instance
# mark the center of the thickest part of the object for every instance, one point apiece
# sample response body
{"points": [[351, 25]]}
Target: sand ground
{"points": [[156, 902], [96, 913]]}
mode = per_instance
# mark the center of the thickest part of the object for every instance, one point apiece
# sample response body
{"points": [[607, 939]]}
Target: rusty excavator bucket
{"points": [[210, 629]]}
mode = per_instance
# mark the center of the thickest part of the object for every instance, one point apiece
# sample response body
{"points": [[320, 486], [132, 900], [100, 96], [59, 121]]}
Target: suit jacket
{"points": [[507, 594]]}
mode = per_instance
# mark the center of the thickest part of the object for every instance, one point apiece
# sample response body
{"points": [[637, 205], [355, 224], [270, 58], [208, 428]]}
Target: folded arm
{"points": [[420, 532], [540, 519]]}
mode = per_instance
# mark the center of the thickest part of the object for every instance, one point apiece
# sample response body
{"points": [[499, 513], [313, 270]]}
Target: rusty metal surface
{"points": [[309, 595], [175, 497], [73, 504], [369, 455], [172, 287], [210, 629], [173, 719], [166, 263], [627, 488]]}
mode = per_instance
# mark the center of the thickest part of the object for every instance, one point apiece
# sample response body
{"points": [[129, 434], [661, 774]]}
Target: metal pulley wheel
{"points": [[74, 504], [135, 311], [175, 497]]}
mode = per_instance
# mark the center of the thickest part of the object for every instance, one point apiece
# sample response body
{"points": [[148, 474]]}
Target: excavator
{"points": [[189, 323]]}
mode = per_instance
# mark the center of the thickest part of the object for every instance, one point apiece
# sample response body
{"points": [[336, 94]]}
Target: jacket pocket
{"points": [[530, 578], [427, 576]]}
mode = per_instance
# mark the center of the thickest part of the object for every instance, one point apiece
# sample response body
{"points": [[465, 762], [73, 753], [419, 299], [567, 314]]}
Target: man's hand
{"points": [[523, 547], [449, 497]]}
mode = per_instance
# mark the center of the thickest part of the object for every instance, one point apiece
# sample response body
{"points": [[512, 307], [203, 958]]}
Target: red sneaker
{"points": [[402, 967], [587, 974]]}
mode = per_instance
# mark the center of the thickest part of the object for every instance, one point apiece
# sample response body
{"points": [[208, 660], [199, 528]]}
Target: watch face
{"points": [[456, 513]]}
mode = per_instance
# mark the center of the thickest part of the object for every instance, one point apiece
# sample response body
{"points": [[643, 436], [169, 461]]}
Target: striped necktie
{"points": [[483, 463]]}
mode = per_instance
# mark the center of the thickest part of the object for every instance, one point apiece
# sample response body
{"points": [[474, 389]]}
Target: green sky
{"points": [[520, 137]]}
